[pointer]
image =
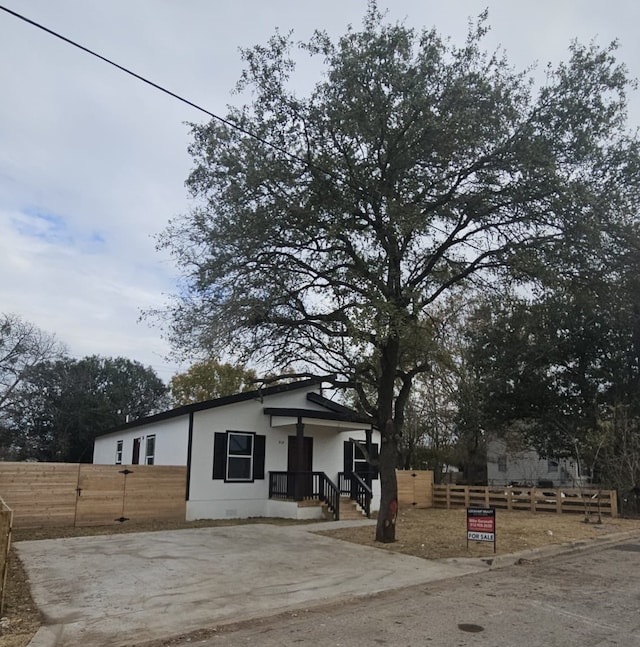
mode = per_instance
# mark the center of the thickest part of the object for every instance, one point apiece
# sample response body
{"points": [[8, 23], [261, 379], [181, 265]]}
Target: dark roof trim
{"points": [[349, 416], [212, 404], [331, 405]]}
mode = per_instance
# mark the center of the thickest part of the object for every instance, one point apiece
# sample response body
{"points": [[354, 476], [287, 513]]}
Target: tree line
{"points": [[52, 406]]}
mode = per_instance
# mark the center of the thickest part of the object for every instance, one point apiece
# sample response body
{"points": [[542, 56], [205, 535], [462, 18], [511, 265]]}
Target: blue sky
{"points": [[93, 163]]}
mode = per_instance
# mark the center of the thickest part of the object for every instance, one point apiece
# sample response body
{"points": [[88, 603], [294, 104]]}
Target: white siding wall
{"points": [[211, 499], [170, 447]]}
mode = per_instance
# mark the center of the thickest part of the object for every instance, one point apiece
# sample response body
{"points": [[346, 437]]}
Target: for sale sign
{"points": [[481, 525]]}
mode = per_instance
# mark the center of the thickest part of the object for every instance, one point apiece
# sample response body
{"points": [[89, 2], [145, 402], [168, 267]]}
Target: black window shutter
{"points": [[258, 457], [348, 457], [374, 455], [219, 455]]}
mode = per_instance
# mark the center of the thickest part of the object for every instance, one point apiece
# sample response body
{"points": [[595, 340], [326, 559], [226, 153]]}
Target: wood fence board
{"points": [[415, 487], [59, 494], [37, 492]]}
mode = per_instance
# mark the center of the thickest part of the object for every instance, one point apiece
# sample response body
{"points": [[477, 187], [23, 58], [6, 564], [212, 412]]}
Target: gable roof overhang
{"points": [[187, 409], [335, 417]]}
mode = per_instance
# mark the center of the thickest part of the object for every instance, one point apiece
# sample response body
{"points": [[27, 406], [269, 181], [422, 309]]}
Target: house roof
{"points": [[335, 411], [186, 409]]}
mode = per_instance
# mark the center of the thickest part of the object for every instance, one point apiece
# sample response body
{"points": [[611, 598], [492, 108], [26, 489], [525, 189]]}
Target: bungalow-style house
{"points": [[273, 452], [523, 466]]}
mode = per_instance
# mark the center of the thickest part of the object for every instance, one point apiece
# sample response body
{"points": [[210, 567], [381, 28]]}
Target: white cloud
{"points": [[93, 162]]}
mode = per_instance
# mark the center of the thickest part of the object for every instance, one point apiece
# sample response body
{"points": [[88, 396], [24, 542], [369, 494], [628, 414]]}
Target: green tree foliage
{"points": [[557, 371], [412, 169], [210, 379], [22, 346], [62, 405]]}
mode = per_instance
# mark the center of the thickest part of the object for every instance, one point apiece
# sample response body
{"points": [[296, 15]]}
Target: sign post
{"points": [[481, 525]]}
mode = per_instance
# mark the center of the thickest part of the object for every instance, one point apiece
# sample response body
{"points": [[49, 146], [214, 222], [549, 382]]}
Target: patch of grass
{"points": [[437, 534]]}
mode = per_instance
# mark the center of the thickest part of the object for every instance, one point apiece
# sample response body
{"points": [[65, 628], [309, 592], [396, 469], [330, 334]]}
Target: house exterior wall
{"points": [[214, 499], [525, 467], [211, 498], [170, 444]]}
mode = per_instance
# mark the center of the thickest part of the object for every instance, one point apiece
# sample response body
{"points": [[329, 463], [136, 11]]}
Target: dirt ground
{"points": [[430, 534]]}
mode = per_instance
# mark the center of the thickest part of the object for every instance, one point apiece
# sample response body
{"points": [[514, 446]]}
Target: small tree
{"points": [[413, 168]]}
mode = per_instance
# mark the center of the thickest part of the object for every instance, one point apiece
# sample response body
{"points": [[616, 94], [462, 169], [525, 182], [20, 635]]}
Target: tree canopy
{"points": [[63, 404], [210, 379], [414, 169]]}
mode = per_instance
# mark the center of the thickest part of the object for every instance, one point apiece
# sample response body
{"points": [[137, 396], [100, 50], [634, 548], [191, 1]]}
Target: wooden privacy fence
{"points": [[59, 494], [558, 500], [6, 516], [415, 487]]}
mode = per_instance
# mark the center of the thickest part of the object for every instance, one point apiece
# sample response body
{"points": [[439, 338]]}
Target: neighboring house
{"points": [[506, 466], [257, 454]]}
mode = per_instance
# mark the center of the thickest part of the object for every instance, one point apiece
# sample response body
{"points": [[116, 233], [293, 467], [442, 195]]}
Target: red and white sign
{"points": [[481, 524]]}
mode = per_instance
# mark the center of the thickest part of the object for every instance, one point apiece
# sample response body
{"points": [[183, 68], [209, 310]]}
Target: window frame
{"points": [[237, 456], [358, 458], [119, 451], [149, 458], [502, 463]]}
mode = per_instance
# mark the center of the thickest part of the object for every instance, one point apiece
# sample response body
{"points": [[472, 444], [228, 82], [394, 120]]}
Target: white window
{"points": [[150, 450], [502, 463], [239, 457], [119, 445], [360, 465]]}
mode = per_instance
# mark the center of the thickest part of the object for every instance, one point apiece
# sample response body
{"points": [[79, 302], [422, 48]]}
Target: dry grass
{"points": [[431, 534], [436, 534]]}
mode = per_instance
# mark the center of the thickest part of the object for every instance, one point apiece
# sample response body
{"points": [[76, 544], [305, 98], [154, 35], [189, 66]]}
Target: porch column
{"points": [[368, 437], [299, 479]]}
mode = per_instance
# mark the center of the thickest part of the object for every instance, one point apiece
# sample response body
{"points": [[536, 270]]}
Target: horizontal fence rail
{"points": [[557, 500]]}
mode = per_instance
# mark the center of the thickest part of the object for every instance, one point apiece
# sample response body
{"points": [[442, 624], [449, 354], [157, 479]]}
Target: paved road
{"points": [[590, 599]]}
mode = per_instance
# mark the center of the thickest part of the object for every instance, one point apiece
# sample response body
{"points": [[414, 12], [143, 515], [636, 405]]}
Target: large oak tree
{"points": [[412, 168]]}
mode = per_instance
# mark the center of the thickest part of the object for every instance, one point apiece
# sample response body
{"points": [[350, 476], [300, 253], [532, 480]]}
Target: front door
{"points": [[306, 466]]}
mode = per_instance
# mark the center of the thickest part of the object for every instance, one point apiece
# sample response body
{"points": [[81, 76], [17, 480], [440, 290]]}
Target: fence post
{"points": [[6, 522], [613, 503], [509, 499], [532, 494], [558, 501], [448, 491], [466, 496]]}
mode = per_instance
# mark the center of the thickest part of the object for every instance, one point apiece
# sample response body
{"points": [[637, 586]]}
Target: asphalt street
{"points": [[590, 599]]}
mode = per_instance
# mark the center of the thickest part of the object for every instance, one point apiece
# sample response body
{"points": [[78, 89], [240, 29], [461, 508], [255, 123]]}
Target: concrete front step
{"points": [[349, 510]]}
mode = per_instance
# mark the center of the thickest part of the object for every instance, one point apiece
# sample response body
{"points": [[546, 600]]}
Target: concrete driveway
{"points": [[124, 589]]}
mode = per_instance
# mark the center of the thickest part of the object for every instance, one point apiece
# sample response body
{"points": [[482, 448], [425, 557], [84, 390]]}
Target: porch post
{"points": [[368, 435], [299, 479]]}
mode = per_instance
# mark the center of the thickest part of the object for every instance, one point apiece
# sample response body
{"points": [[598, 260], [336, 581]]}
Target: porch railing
{"points": [[303, 486], [352, 485]]}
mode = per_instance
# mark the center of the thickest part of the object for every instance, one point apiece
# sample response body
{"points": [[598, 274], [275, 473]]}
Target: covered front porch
{"points": [[327, 455]]}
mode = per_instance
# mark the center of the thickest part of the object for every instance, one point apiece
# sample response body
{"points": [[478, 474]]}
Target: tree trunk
{"points": [[388, 458], [386, 528]]}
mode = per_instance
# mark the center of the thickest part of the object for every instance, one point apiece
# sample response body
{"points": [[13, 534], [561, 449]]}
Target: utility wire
{"points": [[226, 122]]}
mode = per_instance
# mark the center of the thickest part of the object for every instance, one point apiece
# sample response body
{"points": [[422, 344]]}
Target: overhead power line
{"points": [[161, 88]]}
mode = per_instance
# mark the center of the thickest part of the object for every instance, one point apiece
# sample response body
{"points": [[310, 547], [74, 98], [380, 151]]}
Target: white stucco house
{"points": [[509, 466], [271, 452]]}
